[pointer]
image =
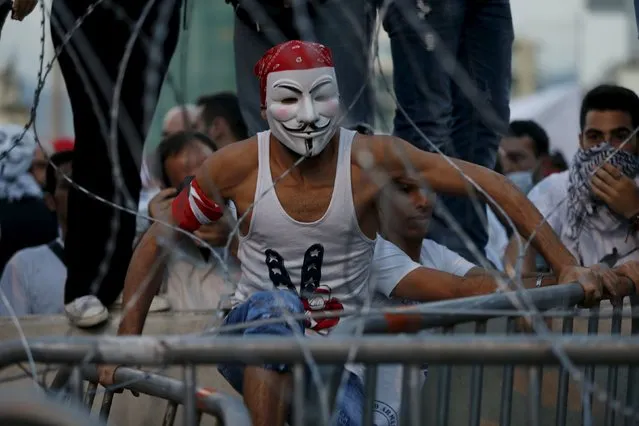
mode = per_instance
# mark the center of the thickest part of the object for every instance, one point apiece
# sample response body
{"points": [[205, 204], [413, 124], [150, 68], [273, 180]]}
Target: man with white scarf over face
{"points": [[594, 206]]}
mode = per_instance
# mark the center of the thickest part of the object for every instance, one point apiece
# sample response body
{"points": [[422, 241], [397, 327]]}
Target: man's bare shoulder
{"points": [[240, 155], [246, 148], [379, 148], [232, 164]]}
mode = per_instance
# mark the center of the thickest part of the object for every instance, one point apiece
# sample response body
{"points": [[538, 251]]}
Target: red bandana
{"points": [[62, 144], [291, 55]]}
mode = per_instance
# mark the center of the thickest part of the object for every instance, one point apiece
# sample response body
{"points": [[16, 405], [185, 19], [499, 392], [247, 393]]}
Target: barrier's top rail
{"points": [[452, 349], [466, 309], [212, 348]]}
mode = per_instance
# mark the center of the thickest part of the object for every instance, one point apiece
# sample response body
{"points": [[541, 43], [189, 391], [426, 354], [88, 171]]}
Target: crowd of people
{"points": [[333, 216]]}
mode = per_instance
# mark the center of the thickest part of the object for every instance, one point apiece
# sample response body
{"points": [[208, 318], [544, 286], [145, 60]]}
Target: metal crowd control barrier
{"points": [[483, 377], [33, 409], [227, 409]]}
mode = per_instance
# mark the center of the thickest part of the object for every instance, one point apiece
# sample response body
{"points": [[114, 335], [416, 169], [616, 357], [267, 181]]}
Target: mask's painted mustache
{"points": [[307, 128]]}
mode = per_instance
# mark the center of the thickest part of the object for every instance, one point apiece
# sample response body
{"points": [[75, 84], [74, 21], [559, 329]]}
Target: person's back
{"points": [[33, 281], [196, 280], [24, 223]]}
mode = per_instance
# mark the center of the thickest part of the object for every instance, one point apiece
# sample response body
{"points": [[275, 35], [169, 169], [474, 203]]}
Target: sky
{"points": [[21, 41]]}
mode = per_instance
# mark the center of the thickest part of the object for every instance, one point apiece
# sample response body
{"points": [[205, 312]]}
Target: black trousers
{"points": [[98, 244]]}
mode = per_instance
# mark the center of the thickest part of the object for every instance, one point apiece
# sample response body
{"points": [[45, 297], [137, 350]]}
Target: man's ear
{"points": [[263, 113], [49, 201], [581, 141]]}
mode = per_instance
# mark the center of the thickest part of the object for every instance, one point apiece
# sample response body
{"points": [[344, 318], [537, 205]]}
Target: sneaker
{"points": [[86, 311]]}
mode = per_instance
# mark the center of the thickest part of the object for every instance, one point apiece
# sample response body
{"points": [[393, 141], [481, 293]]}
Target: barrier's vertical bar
{"points": [[89, 396], [105, 409], [76, 384], [410, 412], [426, 401], [443, 390], [370, 386], [534, 394], [632, 396], [190, 408], [298, 394], [476, 383], [507, 384], [613, 370], [562, 387], [169, 414], [589, 374]]}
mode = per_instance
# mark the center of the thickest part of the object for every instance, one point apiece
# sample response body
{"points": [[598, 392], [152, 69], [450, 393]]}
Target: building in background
{"points": [[524, 68], [384, 95], [609, 38], [203, 61], [13, 109]]}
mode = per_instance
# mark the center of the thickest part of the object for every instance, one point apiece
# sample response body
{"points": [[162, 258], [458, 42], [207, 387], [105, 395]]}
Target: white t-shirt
{"points": [[390, 265], [550, 196], [196, 283], [33, 282], [497, 240], [193, 282]]}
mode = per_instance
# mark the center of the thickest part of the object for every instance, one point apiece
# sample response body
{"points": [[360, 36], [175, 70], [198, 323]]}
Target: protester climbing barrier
{"points": [[485, 366]]}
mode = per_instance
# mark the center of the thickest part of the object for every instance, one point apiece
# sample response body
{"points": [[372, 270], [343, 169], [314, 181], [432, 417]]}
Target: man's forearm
{"points": [[512, 255], [525, 216], [142, 282], [486, 282]]}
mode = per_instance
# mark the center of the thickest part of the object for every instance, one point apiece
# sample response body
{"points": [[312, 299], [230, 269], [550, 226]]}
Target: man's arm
{"points": [[512, 253], [392, 153], [427, 285]]}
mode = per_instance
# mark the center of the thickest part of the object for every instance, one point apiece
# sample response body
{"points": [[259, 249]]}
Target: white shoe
{"points": [[86, 311], [159, 304]]}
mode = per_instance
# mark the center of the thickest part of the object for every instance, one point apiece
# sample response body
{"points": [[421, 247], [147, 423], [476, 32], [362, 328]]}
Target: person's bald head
{"points": [[180, 118]]}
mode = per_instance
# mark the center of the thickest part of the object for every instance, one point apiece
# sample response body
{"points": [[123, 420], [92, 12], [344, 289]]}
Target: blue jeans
{"points": [[472, 41], [276, 304]]}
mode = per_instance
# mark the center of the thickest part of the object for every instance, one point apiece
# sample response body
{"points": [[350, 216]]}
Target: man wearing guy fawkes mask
{"points": [[594, 206]]}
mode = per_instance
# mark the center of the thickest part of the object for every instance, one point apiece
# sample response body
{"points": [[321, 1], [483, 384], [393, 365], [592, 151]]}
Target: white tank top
{"points": [[327, 262]]}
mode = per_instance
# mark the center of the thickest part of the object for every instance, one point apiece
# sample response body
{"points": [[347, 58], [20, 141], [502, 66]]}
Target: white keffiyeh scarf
{"points": [[16, 156]]}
